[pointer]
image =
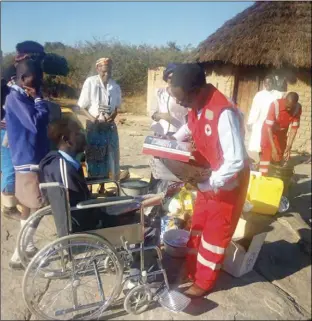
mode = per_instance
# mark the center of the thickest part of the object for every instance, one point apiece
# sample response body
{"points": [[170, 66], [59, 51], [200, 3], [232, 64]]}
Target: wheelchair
{"points": [[46, 231], [79, 275]]}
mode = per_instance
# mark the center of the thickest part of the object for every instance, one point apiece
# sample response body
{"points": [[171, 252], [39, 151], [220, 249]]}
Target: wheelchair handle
{"points": [[153, 201], [90, 204]]}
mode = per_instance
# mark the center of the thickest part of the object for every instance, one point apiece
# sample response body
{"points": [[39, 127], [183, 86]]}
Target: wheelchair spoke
{"points": [[79, 291]]}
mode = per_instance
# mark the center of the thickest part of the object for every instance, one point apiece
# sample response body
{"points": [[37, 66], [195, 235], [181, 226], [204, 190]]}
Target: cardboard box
{"points": [[242, 253], [248, 228], [165, 148]]}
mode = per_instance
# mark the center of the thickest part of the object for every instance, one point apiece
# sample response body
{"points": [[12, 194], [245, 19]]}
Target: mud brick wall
{"points": [[222, 77], [303, 87]]}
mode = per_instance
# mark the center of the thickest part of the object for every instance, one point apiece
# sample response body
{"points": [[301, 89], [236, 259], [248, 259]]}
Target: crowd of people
{"points": [[37, 149]]}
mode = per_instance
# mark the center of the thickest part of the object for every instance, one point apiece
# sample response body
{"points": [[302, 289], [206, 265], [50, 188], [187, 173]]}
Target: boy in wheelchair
{"points": [[62, 167]]}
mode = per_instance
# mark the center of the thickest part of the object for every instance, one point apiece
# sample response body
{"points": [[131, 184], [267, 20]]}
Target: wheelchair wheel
{"points": [[81, 288], [138, 299], [44, 234]]}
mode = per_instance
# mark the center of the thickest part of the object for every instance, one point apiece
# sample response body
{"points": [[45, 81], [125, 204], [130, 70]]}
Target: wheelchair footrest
{"points": [[173, 301]]}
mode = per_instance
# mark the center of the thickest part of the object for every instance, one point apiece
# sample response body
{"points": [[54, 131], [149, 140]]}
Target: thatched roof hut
{"points": [[273, 34]]}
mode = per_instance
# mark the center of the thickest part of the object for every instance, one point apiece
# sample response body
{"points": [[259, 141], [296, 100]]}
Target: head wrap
{"points": [[29, 49], [103, 61], [169, 70], [188, 77]]}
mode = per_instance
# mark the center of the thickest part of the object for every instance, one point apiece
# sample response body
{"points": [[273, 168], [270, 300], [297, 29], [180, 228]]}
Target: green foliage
{"points": [[53, 64], [130, 63]]}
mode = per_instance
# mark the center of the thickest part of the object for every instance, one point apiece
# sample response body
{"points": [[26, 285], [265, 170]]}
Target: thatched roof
{"points": [[272, 33]]}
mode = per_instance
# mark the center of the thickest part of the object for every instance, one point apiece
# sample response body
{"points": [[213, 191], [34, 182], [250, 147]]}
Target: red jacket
{"points": [[205, 129], [279, 119]]}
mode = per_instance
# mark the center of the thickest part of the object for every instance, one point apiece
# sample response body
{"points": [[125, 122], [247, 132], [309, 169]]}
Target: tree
{"points": [[54, 64], [172, 45], [67, 67], [53, 46]]}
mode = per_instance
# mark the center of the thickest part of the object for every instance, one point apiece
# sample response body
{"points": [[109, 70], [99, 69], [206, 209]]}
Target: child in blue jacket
{"points": [[27, 118]]}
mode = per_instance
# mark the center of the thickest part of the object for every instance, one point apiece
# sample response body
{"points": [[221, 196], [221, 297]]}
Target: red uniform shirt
{"points": [[280, 119], [205, 129]]}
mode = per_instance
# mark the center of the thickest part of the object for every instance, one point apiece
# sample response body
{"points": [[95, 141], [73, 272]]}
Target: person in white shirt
{"points": [[168, 116], [257, 115], [100, 100]]}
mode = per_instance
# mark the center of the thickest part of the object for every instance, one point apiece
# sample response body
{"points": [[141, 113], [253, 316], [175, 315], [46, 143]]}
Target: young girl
{"points": [[8, 199]]}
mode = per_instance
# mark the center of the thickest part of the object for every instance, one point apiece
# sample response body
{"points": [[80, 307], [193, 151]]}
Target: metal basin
{"points": [[134, 187]]}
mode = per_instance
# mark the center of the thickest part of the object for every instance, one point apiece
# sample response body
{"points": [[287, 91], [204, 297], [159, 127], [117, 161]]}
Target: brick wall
{"points": [[302, 86], [222, 77]]}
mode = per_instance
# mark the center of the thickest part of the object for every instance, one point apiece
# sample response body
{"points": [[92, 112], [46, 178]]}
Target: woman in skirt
{"points": [[100, 100]]}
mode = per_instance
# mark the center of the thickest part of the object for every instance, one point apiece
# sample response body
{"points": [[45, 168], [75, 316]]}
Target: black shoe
{"points": [[17, 266]]}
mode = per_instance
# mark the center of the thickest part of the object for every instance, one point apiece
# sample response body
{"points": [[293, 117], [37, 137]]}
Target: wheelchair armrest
{"points": [[104, 202], [99, 180], [43, 186]]}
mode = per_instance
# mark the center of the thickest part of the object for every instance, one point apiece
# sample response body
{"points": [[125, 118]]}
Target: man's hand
{"points": [[165, 116], [32, 92], [287, 154], [112, 117], [95, 120], [275, 156], [158, 116]]}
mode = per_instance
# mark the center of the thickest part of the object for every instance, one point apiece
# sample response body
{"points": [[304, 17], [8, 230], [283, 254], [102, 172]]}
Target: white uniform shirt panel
{"points": [[164, 103]]}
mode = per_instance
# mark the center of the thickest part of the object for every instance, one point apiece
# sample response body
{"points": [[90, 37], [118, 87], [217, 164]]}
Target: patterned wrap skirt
{"points": [[102, 152]]}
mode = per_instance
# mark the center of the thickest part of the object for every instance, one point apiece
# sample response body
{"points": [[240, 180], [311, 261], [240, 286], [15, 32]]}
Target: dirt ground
{"points": [[279, 288]]}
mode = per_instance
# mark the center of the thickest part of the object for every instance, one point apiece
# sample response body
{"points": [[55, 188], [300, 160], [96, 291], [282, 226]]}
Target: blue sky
{"points": [[132, 22]]}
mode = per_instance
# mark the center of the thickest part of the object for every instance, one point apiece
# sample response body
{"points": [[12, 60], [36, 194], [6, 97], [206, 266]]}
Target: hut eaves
{"points": [[272, 33]]}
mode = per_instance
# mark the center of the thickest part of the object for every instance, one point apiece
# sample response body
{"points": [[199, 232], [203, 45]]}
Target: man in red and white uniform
{"points": [[283, 113], [216, 127]]}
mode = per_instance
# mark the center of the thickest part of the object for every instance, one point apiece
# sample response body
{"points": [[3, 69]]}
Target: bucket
{"points": [[134, 187], [285, 173], [175, 242]]}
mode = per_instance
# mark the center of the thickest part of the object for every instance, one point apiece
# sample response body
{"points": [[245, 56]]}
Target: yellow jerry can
{"points": [[265, 194], [252, 177]]}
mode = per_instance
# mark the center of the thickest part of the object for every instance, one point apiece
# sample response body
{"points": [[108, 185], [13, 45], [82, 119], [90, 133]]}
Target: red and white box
{"points": [[165, 148]]}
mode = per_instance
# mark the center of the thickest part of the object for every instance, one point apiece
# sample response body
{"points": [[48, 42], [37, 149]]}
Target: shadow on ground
{"points": [[124, 167], [300, 197], [299, 159], [276, 261]]}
